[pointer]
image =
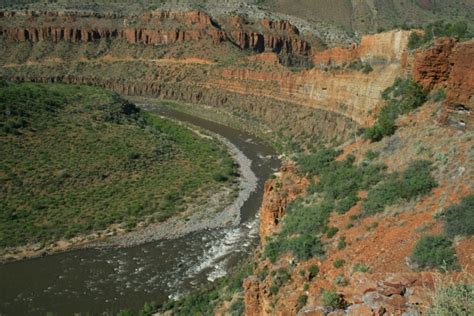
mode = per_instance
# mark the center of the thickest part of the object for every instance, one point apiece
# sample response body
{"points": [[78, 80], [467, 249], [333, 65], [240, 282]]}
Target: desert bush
{"points": [[416, 180], [302, 300], [415, 40], [313, 271], [341, 243], [360, 267], [314, 163], [438, 95], [434, 252], [338, 263], [237, 308], [453, 296], [331, 299], [367, 69], [459, 219], [279, 278], [340, 280], [331, 231], [458, 29], [400, 98]]}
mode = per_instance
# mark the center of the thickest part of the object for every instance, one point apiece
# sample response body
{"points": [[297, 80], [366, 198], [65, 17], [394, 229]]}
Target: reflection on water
{"points": [[97, 280]]}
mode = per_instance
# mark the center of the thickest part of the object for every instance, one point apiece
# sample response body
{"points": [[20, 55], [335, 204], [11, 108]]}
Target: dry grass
{"points": [[453, 294]]}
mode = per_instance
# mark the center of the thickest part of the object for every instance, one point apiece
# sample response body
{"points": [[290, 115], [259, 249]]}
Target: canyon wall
{"points": [[260, 86], [152, 28], [353, 94]]}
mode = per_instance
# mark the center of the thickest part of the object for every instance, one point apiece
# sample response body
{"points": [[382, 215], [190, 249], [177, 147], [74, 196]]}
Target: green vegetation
{"points": [[333, 300], [453, 297], [340, 280], [459, 30], [331, 232], [341, 243], [78, 159], [438, 95], [400, 98], [203, 302], [435, 252], [302, 300], [459, 219], [237, 308], [313, 271], [360, 267], [279, 278], [314, 163], [338, 263], [416, 180], [298, 232], [337, 189]]}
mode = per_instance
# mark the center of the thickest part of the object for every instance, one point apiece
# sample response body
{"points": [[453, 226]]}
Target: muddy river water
{"points": [[109, 279]]}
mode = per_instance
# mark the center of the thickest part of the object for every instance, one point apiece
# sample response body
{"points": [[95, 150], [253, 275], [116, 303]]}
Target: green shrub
{"points": [[313, 271], [340, 280], [331, 232], [459, 219], [416, 180], [434, 252], [453, 298], [459, 29], [371, 155], [314, 163], [415, 40], [219, 177], [302, 300], [367, 69], [262, 275], [333, 300], [305, 247], [438, 95], [400, 98], [341, 244], [338, 263], [346, 203], [360, 267], [237, 308], [279, 278], [148, 309]]}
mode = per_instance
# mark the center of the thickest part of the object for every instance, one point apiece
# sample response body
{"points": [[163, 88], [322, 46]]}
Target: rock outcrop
{"points": [[431, 67], [449, 65], [387, 47], [153, 28], [278, 192], [381, 294]]}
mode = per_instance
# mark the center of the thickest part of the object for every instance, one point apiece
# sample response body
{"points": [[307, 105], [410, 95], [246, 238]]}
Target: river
{"points": [[109, 279]]}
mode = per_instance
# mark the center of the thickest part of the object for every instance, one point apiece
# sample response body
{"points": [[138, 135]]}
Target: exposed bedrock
{"points": [[153, 28], [449, 65]]}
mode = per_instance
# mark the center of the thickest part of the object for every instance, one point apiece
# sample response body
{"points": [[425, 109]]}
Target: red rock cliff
{"points": [[278, 192], [451, 65]]}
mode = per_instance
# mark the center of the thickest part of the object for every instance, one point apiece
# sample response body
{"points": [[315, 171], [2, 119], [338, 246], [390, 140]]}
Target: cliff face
{"points": [[449, 65], [348, 93], [153, 28], [278, 192], [379, 48]]}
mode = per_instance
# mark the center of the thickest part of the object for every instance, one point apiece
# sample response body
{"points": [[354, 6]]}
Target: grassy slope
{"points": [[72, 162]]}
